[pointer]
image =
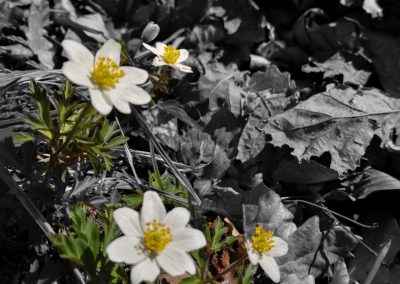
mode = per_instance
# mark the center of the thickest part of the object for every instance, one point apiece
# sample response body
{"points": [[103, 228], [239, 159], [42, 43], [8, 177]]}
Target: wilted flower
{"points": [[263, 248], [169, 55], [155, 240], [109, 84]]}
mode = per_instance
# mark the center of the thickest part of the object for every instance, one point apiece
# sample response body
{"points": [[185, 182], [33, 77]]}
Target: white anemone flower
{"points": [[263, 248], [169, 55], [155, 240], [109, 84]]}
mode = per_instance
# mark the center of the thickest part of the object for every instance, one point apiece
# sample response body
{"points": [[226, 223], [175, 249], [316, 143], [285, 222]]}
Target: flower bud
{"points": [[150, 32]]}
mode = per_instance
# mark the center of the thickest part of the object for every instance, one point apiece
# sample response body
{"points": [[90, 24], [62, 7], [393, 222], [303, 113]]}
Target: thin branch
{"points": [[374, 226]]}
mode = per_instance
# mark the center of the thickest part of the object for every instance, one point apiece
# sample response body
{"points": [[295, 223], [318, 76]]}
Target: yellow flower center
{"points": [[171, 54], [262, 240], [106, 73], [157, 236]]}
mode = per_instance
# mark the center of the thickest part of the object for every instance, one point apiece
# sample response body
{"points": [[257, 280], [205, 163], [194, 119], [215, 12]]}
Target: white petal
{"points": [[183, 68], [157, 61], [175, 261], [131, 93], [138, 96], [134, 75], [152, 209], [153, 49], [125, 249], [280, 248], [100, 102], [77, 73], [183, 55], [188, 239], [177, 218], [253, 257], [147, 270], [160, 46], [110, 49], [118, 99], [270, 267], [78, 53], [128, 221]]}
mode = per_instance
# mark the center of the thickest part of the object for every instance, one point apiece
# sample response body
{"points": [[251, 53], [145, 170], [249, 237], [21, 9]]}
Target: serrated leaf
{"points": [[337, 65], [133, 200], [261, 106], [92, 237], [248, 274], [341, 121]]}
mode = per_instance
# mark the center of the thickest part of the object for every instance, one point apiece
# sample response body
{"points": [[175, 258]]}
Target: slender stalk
{"points": [[182, 179], [374, 226], [128, 152], [155, 166], [351, 233]]}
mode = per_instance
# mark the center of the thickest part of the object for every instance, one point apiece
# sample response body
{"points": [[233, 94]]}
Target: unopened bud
{"points": [[150, 32]]}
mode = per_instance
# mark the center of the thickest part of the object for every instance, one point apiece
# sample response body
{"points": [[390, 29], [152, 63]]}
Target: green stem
{"points": [[72, 131]]}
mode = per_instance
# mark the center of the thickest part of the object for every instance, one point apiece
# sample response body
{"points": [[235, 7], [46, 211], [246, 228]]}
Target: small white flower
{"points": [[155, 240], [109, 84], [263, 248], [169, 55]]}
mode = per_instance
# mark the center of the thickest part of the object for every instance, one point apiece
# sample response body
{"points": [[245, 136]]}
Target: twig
{"points": [[374, 226], [231, 267]]}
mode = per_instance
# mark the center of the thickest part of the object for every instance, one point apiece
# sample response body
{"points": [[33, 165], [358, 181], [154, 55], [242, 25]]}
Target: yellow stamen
{"points": [[157, 236], [106, 73], [171, 54], [262, 240]]}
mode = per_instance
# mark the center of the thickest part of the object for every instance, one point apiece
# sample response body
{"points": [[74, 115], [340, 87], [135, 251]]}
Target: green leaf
{"points": [[92, 237], [248, 274], [116, 142], [219, 231], [109, 231], [191, 280], [42, 103], [72, 249], [133, 200], [23, 137]]}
